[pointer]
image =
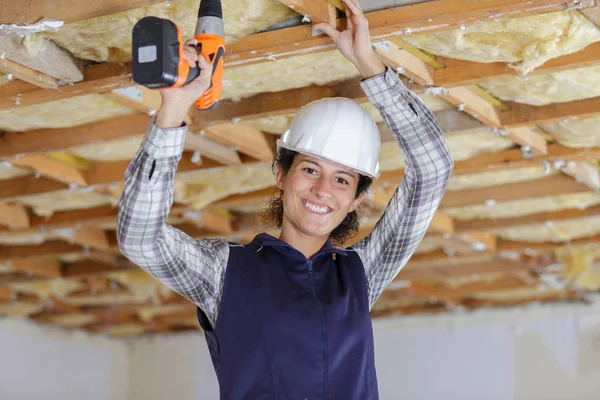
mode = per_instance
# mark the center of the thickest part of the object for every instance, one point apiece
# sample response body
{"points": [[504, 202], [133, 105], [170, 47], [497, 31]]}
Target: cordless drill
{"points": [[157, 54]]}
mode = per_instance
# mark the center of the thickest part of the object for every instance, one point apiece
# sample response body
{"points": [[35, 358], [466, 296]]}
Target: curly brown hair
{"points": [[272, 214]]}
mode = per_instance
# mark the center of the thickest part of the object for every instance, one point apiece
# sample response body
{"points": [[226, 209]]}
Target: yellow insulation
{"points": [[52, 287], [108, 38], [49, 203], [555, 87], [580, 267], [559, 231], [8, 171], [201, 188], [62, 113], [499, 177], [576, 132], [518, 208], [526, 42]]}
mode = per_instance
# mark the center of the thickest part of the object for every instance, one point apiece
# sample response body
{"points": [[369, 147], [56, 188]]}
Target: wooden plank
{"points": [[548, 186], [403, 61], [463, 73], [44, 66], [27, 186], [138, 97], [425, 17], [593, 13], [211, 149], [264, 105], [45, 249], [37, 267], [99, 78], [245, 137], [51, 168], [475, 106], [317, 11], [30, 11], [90, 267], [42, 140], [14, 216], [18, 71], [211, 220], [527, 115], [441, 223], [87, 236], [483, 111]]}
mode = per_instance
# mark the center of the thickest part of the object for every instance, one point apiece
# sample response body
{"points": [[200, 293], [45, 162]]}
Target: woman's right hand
{"points": [[176, 102]]}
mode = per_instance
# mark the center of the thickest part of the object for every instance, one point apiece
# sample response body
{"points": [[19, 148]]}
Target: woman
{"points": [[288, 317]]}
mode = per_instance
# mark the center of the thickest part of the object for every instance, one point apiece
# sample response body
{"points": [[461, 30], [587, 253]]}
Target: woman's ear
{"points": [[279, 176], [357, 201]]}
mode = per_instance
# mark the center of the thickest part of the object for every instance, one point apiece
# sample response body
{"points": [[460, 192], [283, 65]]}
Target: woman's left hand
{"points": [[355, 41]]}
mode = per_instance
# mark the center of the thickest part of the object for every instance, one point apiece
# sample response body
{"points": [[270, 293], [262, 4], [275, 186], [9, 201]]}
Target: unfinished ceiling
{"points": [[514, 85]]}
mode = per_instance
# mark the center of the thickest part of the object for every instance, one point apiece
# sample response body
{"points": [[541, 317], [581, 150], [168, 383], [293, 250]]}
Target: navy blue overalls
{"points": [[292, 328]]}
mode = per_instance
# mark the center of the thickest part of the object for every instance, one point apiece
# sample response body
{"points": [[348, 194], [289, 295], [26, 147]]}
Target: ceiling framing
{"points": [[467, 258]]}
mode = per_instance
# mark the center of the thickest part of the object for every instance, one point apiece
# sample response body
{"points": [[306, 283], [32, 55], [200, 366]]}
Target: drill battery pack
{"points": [[157, 59]]}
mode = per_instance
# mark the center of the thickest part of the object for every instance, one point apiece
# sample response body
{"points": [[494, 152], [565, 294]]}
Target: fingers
{"points": [[328, 29], [205, 66], [353, 6], [190, 55]]}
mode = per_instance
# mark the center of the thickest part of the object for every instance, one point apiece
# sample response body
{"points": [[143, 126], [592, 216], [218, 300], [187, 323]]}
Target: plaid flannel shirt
{"points": [[195, 268]]}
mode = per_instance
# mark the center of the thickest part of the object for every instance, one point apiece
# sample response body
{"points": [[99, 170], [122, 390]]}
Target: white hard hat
{"points": [[337, 130]]}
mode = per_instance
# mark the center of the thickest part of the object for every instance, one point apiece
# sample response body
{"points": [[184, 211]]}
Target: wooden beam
{"points": [[42, 140], [527, 115], [27, 186], [14, 216], [41, 68], [45, 249], [51, 168], [99, 78], [593, 13], [211, 149], [138, 97], [483, 111], [441, 223], [211, 220], [316, 11], [264, 105], [425, 17], [548, 186], [464, 73], [28, 12], [36, 267], [18, 71], [245, 137], [404, 62], [85, 236], [90, 267]]}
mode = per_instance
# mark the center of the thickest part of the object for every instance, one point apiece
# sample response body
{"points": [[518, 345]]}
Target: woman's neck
{"points": [[307, 245]]}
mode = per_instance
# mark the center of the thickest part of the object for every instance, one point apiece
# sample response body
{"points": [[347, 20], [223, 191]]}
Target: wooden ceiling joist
{"points": [[316, 11], [99, 78], [553, 185], [425, 17], [27, 12], [464, 73], [527, 115], [18, 71], [14, 216]]}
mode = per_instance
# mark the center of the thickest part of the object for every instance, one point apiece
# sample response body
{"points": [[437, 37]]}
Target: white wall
{"points": [[542, 352], [52, 364]]}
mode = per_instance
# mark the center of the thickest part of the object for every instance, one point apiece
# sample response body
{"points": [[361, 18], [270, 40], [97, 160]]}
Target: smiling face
{"points": [[317, 196]]}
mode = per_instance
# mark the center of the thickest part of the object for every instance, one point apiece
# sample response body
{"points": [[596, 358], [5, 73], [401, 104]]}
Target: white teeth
{"points": [[321, 210]]}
